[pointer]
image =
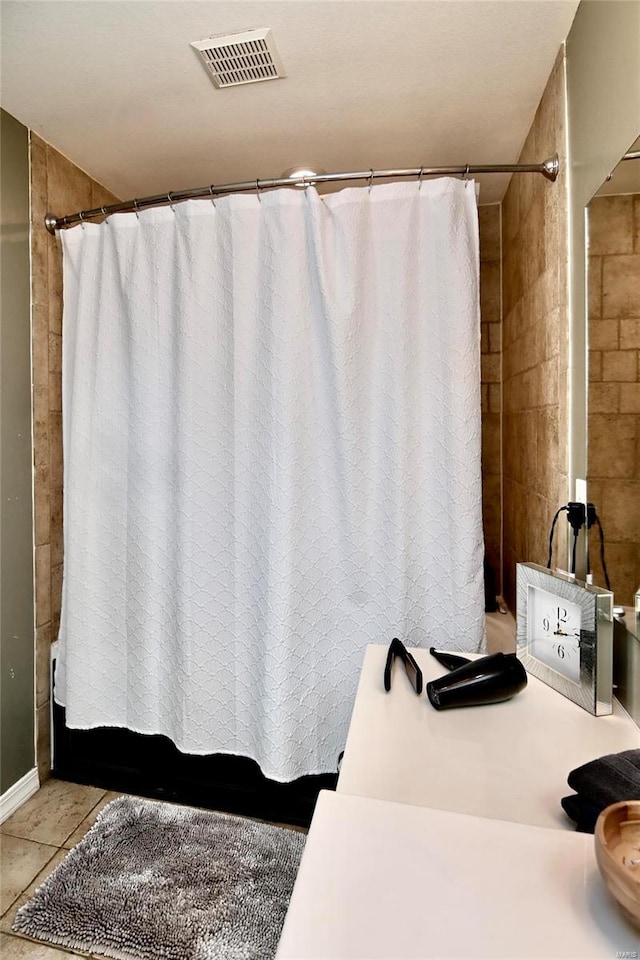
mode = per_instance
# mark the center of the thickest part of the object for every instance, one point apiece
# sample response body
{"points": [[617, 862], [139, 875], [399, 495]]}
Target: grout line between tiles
{"points": [[88, 814], [38, 872]]}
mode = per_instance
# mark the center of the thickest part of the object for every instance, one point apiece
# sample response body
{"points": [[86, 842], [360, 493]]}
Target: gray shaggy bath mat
{"points": [[154, 881]]}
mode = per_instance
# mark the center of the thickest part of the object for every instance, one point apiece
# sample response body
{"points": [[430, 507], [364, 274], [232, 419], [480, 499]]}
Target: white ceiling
{"points": [[116, 87]]}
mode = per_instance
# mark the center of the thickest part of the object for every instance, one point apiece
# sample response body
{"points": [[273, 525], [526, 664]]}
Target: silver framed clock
{"points": [[564, 635]]}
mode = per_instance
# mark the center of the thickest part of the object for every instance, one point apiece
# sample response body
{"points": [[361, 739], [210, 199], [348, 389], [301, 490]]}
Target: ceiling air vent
{"points": [[236, 58]]}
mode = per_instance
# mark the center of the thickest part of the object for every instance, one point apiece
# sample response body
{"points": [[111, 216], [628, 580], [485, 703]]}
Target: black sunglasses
{"points": [[398, 649]]}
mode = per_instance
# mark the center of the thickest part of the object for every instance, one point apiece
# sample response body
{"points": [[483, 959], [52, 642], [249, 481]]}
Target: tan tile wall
{"points": [[535, 345], [614, 388], [491, 347], [60, 187]]}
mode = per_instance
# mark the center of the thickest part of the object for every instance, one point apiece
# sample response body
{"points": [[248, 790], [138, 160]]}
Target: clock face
{"points": [[553, 628]]}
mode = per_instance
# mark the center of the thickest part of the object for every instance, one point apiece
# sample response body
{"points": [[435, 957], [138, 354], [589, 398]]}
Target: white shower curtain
{"points": [[272, 458]]}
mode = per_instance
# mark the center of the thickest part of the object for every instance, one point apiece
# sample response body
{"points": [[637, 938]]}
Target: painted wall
{"points": [[603, 88], [17, 753]]}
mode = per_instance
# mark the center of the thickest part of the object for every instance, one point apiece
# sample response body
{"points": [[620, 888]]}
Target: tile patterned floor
{"points": [[32, 843]]}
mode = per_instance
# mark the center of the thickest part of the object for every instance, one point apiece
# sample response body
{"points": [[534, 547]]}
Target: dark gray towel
{"points": [[600, 782], [608, 779], [583, 813]]}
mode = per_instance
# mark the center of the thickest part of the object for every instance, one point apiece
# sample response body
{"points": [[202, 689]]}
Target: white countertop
{"points": [[386, 881], [506, 761], [444, 837]]}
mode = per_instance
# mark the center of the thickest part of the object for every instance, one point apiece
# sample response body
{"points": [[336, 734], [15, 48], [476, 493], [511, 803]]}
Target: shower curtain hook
{"points": [[170, 199], [420, 178], [105, 215], [135, 209], [370, 179], [465, 175], [81, 215], [211, 192], [258, 191]]}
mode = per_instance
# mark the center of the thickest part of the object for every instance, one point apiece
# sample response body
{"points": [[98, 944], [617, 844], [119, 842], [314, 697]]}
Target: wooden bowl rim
{"points": [[604, 851]]}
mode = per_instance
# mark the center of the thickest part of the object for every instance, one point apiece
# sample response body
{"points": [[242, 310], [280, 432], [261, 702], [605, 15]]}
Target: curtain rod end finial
{"points": [[551, 167], [51, 223]]}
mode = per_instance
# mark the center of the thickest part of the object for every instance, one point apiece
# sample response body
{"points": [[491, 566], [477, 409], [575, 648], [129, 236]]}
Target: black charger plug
{"points": [[576, 515]]}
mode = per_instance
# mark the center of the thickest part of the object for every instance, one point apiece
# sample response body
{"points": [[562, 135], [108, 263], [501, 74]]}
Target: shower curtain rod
{"points": [[549, 169]]}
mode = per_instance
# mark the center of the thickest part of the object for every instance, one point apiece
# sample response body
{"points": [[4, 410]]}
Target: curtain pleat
{"points": [[272, 459]]}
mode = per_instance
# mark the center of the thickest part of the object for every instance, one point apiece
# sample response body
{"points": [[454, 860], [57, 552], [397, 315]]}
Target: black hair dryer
{"points": [[474, 682]]}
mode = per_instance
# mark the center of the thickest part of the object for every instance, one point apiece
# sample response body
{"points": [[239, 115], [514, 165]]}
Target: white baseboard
{"points": [[18, 794]]}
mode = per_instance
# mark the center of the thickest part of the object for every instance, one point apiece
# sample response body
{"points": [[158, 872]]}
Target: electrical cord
{"points": [[576, 515], [552, 531], [593, 518]]}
